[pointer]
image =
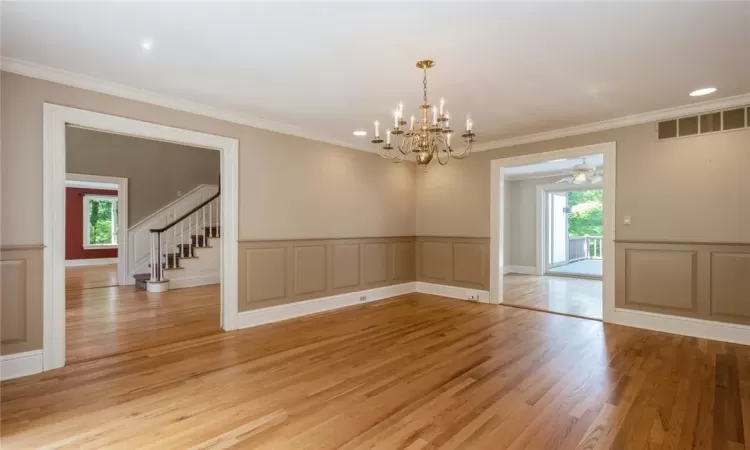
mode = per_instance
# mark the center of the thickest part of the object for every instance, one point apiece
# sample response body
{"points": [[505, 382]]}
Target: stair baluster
{"points": [[163, 241]]}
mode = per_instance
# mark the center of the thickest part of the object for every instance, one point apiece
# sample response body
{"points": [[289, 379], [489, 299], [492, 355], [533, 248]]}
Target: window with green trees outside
{"points": [[585, 218], [100, 221]]}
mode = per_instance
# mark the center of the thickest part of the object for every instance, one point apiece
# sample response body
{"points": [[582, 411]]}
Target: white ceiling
{"points": [[327, 69], [552, 167]]}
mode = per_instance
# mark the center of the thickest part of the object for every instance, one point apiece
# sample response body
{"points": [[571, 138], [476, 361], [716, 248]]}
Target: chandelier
{"points": [[427, 139]]}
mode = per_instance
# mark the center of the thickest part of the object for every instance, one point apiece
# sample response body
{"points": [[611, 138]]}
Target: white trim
{"points": [[283, 312], [91, 185], [157, 286], [90, 262], [525, 270], [194, 281], [635, 119], [56, 118], [541, 216], [41, 72], [121, 186], [21, 364], [459, 293], [497, 219], [686, 326]]}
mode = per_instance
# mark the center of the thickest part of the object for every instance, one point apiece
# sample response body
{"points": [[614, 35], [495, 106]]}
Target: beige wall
{"points": [[687, 189], [156, 170], [289, 187]]}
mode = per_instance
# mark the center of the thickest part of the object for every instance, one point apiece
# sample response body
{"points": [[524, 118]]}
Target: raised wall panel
{"points": [[403, 261], [345, 265], [730, 284], [21, 280], [376, 262], [13, 306], [469, 263], [266, 269], [661, 279], [309, 269], [435, 258]]}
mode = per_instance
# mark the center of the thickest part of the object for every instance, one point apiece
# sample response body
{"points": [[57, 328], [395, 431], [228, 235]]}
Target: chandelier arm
{"points": [[466, 152], [401, 143], [447, 159]]}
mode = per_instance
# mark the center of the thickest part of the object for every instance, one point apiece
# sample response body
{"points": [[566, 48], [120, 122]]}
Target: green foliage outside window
{"points": [[100, 222], [585, 218]]}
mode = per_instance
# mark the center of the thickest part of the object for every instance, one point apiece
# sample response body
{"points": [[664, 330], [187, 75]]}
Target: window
{"points": [[99, 221]]}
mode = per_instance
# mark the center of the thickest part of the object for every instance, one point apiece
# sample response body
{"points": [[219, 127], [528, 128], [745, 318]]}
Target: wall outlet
{"points": [[363, 298], [473, 296]]}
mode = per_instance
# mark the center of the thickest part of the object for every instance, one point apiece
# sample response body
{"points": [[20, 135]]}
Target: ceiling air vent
{"points": [[730, 119]]}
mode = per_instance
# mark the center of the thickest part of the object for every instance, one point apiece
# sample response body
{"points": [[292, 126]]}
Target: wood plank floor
{"points": [[573, 296], [87, 277], [413, 372], [110, 320]]}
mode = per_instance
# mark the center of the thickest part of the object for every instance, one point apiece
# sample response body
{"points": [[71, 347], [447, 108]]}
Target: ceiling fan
{"points": [[584, 173]]}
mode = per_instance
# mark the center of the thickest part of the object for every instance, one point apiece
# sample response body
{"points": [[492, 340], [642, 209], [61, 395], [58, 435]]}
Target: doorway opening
{"points": [[118, 190], [93, 206], [111, 320], [552, 233]]}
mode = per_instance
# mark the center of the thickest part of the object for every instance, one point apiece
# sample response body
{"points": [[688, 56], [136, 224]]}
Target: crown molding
{"points": [[635, 119], [41, 72], [119, 90]]}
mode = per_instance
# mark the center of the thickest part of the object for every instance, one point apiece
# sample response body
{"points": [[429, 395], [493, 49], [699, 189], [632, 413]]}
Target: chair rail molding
{"points": [[55, 119]]}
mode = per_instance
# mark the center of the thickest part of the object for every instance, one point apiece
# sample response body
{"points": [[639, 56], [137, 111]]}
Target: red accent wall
{"points": [[74, 225]]}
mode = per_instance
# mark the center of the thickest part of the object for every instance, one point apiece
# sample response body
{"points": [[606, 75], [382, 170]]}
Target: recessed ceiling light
{"points": [[704, 91], [147, 44], [360, 133]]}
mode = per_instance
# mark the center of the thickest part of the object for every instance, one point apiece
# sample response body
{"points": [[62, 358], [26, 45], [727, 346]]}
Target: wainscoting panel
{"points": [[730, 285], [663, 279], [705, 281], [281, 272], [345, 265], [454, 261], [21, 306], [376, 262], [309, 269]]}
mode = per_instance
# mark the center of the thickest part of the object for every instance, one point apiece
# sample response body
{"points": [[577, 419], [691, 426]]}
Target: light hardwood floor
{"points": [[87, 277], [572, 296], [413, 372], [103, 321]]}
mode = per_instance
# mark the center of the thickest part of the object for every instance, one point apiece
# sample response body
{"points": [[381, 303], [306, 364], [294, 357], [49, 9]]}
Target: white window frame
{"points": [[87, 225]]}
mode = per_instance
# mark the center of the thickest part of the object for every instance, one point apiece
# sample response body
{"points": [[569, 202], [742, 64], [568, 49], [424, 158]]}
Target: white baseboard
{"points": [[21, 364], [525, 270], [687, 326], [282, 312], [453, 291], [194, 281], [90, 262]]}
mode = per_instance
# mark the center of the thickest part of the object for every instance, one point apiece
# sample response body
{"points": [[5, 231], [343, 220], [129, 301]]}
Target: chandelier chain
{"points": [[424, 83]]}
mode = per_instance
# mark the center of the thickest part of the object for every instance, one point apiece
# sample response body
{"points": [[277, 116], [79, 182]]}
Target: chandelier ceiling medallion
{"points": [[427, 139]]}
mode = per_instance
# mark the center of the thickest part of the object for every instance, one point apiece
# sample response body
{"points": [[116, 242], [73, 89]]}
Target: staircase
{"points": [[186, 251]]}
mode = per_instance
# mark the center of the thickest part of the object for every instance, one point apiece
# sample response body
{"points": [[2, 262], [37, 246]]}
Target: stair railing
{"points": [[168, 243]]}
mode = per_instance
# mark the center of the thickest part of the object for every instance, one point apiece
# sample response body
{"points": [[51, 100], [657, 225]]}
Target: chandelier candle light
{"points": [[427, 139]]}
